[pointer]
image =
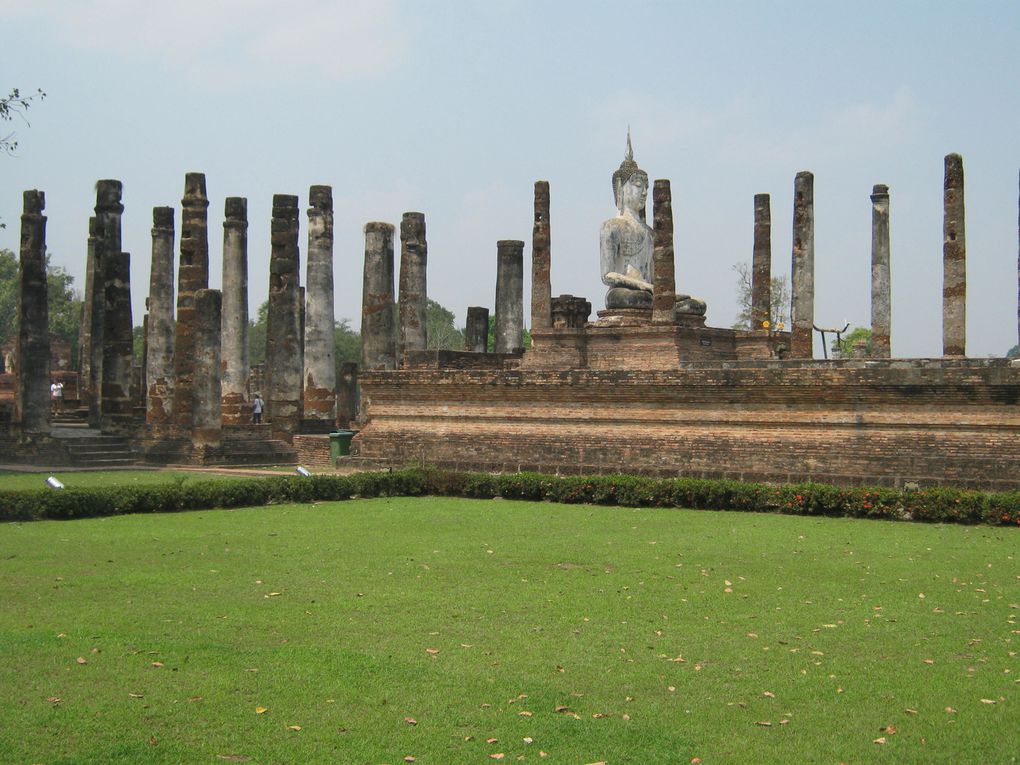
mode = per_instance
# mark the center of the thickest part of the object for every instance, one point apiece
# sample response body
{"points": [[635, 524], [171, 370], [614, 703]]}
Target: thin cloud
{"points": [[234, 42]]}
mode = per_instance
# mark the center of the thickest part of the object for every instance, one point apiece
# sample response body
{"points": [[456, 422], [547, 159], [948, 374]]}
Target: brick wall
{"points": [[954, 422], [313, 451]]}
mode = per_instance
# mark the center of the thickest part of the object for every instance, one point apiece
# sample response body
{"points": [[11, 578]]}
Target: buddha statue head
{"points": [[630, 184]]}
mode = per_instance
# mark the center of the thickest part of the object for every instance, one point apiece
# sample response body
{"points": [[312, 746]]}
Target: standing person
{"points": [[256, 409], [57, 395]]}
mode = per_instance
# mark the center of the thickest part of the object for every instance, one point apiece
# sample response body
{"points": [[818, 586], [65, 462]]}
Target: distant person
{"points": [[256, 409], [57, 395]]}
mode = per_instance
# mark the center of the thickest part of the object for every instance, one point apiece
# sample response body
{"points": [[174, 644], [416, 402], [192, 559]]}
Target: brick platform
{"points": [[936, 422]]}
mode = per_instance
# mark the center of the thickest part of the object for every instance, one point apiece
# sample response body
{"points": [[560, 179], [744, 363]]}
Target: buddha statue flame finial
{"points": [[627, 169]]}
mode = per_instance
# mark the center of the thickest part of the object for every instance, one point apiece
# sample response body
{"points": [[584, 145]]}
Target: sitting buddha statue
{"points": [[626, 241]]}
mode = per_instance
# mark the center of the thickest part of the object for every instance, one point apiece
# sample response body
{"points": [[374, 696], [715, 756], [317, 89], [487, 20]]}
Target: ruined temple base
{"points": [[239, 445], [851, 422], [633, 343]]}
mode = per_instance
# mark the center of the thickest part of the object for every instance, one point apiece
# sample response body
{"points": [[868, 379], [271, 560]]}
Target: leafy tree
{"points": [[64, 302], [441, 333], [779, 308], [845, 346], [1013, 352], [137, 343]]}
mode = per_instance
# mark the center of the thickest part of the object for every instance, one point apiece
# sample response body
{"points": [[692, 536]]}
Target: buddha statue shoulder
{"points": [[626, 241]]}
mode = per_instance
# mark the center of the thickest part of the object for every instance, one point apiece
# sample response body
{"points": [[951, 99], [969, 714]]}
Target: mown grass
{"points": [[659, 635], [11, 481]]}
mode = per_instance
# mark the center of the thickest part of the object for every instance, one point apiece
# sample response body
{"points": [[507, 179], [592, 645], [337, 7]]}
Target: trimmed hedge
{"points": [[929, 505]]}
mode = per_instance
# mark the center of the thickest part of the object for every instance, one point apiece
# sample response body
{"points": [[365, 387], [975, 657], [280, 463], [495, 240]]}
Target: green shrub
{"points": [[942, 505]]}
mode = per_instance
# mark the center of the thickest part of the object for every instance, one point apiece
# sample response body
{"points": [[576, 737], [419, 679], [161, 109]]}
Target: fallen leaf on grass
{"points": [[152, 741], [195, 698], [432, 651], [81, 660], [987, 701], [769, 694], [157, 664], [293, 727], [880, 740], [260, 710], [950, 710], [910, 711], [929, 661], [409, 758], [54, 699], [492, 741], [529, 740], [889, 729], [764, 723], [497, 755], [273, 594], [562, 708], [524, 713], [233, 757], [410, 721], [136, 695]]}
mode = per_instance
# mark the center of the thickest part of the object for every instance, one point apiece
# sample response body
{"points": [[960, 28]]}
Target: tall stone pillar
{"points": [[476, 333], [541, 260], [954, 262], [413, 289], [207, 428], [108, 240], [802, 312], [234, 319], [193, 275], [761, 262], [1018, 270], [32, 356], [881, 285], [284, 358], [320, 339], [378, 333], [159, 335], [118, 341], [509, 333], [663, 266], [86, 384]]}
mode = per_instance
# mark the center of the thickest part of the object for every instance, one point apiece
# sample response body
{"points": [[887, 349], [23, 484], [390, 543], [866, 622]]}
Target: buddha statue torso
{"points": [[626, 241]]}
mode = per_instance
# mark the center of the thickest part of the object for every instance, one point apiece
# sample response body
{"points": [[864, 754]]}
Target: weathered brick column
{"points": [[32, 356], [108, 240], [159, 335], [881, 285], [541, 260], [207, 425], [663, 266], [234, 319], [803, 267], [85, 386], [509, 332], [761, 263], [193, 275], [413, 284], [378, 332], [284, 358], [320, 340], [1018, 267], [118, 341], [476, 332], [954, 262]]}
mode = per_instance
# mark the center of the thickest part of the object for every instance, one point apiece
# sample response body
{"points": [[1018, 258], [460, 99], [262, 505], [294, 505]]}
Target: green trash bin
{"points": [[340, 443]]}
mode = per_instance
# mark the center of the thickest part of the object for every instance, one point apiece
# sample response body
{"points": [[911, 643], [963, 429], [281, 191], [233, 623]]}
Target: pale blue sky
{"points": [[456, 108]]}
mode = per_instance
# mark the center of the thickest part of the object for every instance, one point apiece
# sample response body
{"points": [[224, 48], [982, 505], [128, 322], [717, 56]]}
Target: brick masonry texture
{"points": [[854, 422]]}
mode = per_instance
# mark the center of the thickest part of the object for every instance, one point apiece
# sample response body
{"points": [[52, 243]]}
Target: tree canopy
{"points": [[64, 302], [14, 104]]}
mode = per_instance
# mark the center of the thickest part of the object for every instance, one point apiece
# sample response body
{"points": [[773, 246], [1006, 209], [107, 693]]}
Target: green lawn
{"points": [[16, 481], [424, 627]]}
